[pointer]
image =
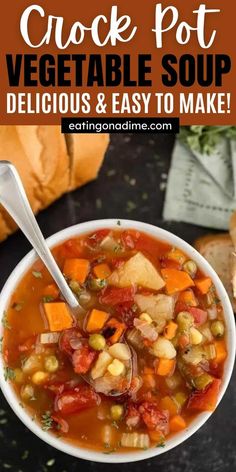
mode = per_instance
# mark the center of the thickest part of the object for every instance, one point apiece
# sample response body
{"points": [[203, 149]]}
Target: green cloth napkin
{"points": [[201, 189]]}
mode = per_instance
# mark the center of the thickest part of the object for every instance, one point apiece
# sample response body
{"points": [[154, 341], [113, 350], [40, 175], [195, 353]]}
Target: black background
{"points": [[131, 185]]}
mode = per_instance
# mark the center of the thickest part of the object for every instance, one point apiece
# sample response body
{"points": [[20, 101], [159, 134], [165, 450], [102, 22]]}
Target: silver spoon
{"points": [[14, 199]]}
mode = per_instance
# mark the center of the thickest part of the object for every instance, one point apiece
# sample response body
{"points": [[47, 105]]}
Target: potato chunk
{"points": [[159, 307], [137, 270]]}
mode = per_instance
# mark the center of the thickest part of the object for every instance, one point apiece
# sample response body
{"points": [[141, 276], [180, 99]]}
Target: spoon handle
{"points": [[14, 199]]}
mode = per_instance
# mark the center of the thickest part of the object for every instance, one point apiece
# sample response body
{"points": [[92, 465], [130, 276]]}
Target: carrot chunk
{"points": [[177, 423], [96, 320], [58, 316], [204, 284], [102, 271], [176, 255], [221, 352], [165, 367], [188, 297], [205, 400], [114, 325], [149, 381], [167, 403], [76, 269], [170, 330], [176, 280], [51, 290], [156, 436]]}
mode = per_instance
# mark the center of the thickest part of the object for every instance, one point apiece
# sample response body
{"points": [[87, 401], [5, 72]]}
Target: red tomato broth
{"points": [[26, 319]]}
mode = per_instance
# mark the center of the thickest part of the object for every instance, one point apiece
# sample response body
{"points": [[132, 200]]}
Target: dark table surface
{"points": [[131, 185]]}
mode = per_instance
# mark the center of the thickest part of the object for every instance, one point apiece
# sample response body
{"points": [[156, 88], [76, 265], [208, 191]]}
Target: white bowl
{"points": [[160, 234]]}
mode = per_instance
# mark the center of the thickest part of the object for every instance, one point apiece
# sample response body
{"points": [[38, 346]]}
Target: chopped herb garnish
{"points": [[9, 373], [1, 344], [115, 425], [48, 298], [37, 274], [5, 323], [46, 421], [117, 248], [118, 223], [204, 139], [101, 283], [130, 206], [161, 444], [109, 450]]}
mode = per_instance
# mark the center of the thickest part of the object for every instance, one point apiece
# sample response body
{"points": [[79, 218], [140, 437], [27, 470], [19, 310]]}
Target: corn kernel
{"points": [[39, 377], [195, 336], [146, 317], [51, 364], [116, 368]]}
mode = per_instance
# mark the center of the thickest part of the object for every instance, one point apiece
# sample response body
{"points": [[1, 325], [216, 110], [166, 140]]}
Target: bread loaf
{"points": [[86, 152], [49, 163]]}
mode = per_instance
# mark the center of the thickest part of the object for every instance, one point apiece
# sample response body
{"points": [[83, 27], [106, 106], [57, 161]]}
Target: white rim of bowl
{"points": [[158, 233]]}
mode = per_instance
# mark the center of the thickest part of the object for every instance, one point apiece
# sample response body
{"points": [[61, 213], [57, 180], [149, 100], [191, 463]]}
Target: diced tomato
{"points": [[75, 400], [71, 248], [129, 238], [126, 312], [183, 341], [97, 237], [205, 400], [114, 296], [28, 344], [150, 246], [169, 263], [61, 424], [200, 316], [65, 339], [180, 306], [117, 262], [82, 359], [133, 416], [154, 418]]}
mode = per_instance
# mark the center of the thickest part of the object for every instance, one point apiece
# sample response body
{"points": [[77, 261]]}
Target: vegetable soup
{"points": [[138, 363]]}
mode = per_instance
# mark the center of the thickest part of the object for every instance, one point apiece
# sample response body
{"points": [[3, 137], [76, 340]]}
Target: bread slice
{"points": [[218, 251], [86, 153]]}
